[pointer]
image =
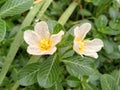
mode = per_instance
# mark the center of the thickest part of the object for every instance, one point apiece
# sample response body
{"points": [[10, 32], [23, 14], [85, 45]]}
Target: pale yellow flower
{"points": [[86, 47], [40, 41], [37, 1]]}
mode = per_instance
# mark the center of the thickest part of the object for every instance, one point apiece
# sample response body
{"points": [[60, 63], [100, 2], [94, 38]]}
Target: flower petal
{"points": [[76, 47], [56, 38], [80, 32], [31, 37], [91, 54], [33, 50], [94, 45], [42, 29], [36, 51]]}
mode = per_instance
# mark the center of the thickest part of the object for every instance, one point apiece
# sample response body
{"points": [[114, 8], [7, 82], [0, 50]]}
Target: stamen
{"points": [[77, 39], [82, 45], [45, 44]]}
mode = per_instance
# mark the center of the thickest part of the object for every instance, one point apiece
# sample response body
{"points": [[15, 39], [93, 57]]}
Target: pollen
{"points": [[45, 44], [81, 44], [77, 39]]}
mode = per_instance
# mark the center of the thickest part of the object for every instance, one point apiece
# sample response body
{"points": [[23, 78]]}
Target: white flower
{"points": [[40, 41], [86, 47]]}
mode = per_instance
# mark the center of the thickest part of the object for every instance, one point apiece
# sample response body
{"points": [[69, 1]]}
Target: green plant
{"points": [[65, 69]]}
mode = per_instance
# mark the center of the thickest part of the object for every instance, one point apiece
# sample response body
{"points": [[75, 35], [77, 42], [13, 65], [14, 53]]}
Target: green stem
{"points": [[65, 16], [44, 8], [17, 42]]}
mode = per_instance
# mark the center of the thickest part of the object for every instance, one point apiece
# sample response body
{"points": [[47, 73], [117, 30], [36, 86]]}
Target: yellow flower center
{"points": [[81, 46], [45, 44]]}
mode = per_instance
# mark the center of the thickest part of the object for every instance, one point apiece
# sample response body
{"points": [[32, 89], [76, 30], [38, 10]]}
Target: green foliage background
{"points": [[65, 70]]}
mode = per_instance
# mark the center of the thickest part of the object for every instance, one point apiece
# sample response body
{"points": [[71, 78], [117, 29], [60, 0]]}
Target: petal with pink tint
{"points": [[36, 51], [76, 47], [80, 32], [56, 38], [94, 45], [31, 37], [41, 28], [91, 54]]}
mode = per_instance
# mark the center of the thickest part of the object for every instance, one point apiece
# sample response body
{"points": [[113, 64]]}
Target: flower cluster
{"points": [[41, 42]]}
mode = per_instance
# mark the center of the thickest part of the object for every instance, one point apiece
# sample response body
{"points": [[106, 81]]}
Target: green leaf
{"points": [[13, 7], [113, 13], [63, 50], [102, 6], [109, 31], [76, 67], [49, 72], [91, 87], [73, 81], [58, 27], [101, 21], [27, 76], [68, 54], [2, 1], [116, 3], [116, 75], [115, 55], [85, 12], [93, 79], [54, 26], [88, 1], [78, 88], [108, 46], [51, 25], [57, 86], [115, 24], [96, 2], [108, 82], [2, 29]]}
